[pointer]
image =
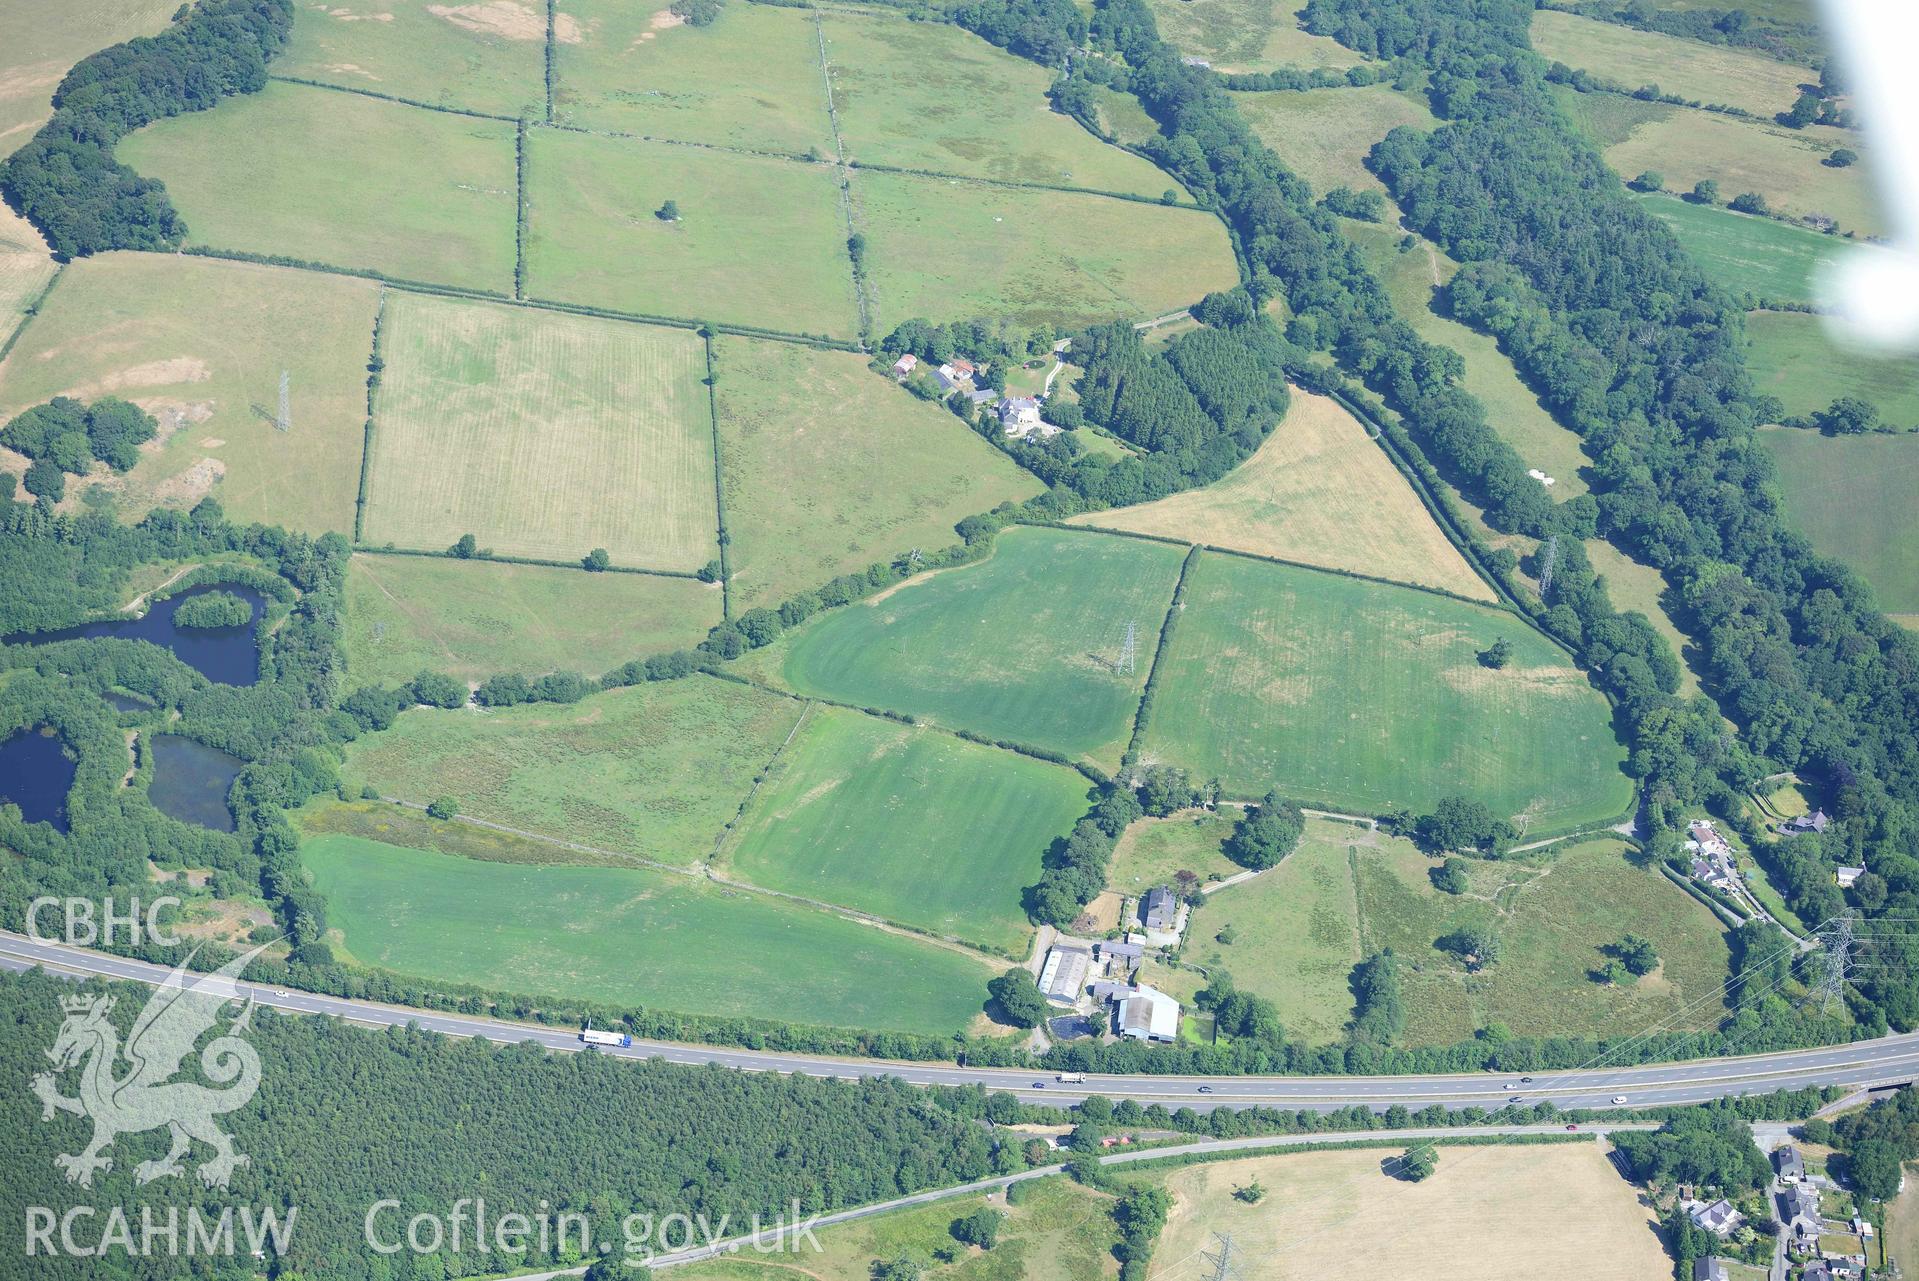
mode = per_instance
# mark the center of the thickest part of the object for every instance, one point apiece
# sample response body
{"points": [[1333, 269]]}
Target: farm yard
{"points": [[1792, 357], [929, 96], [1852, 496], [1412, 277], [1355, 695], [1323, 135], [1716, 74], [479, 57], [473, 619], [1478, 1218], [1025, 646], [827, 469], [655, 771], [541, 435], [322, 176], [750, 80], [864, 813], [758, 242], [948, 248], [636, 936], [1319, 492], [201, 345]]}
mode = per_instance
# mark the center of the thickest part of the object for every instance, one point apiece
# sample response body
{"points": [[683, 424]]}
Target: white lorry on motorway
{"points": [[620, 1039]]}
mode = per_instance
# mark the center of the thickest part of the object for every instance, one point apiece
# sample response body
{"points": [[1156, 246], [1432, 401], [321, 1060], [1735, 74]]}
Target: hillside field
{"points": [[750, 80], [1476, 1219], [656, 771], [36, 53], [828, 467], [488, 58], [932, 96], [632, 935], [201, 345], [1852, 496], [1412, 279], [1356, 696], [1786, 166], [1747, 255], [1022, 647], [759, 241], [1323, 135], [1316, 491], [1631, 586], [1155, 850], [26, 268], [542, 435], [1720, 74], [341, 179], [1247, 35], [909, 824], [1792, 357], [472, 619], [948, 249]]}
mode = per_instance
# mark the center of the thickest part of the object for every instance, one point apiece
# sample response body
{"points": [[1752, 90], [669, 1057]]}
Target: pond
{"points": [[224, 654], [126, 702], [191, 781], [36, 775]]}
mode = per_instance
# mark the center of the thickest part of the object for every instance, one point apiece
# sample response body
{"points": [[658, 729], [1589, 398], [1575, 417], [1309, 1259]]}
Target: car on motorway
{"points": [[1512, 1085], [1618, 1099], [1039, 1085], [1204, 1089], [1525, 1080]]}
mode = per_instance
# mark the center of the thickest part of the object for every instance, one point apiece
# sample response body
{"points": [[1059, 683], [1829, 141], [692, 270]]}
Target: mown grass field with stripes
{"points": [[1356, 696], [907, 823], [1317, 491], [1024, 646], [542, 435]]}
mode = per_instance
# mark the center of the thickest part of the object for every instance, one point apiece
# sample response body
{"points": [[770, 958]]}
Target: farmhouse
{"points": [[1848, 876], [1719, 1218], [1791, 1166], [1159, 909], [1019, 415], [1149, 1015], [1064, 974], [1710, 1268], [1801, 1212], [1817, 821]]}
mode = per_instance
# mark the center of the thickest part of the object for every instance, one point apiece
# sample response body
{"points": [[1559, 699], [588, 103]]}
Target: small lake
{"points": [[36, 775], [224, 654], [191, 781]]}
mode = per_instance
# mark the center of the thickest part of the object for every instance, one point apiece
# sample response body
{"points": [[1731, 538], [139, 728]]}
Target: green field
{"points": [[632, 935], [1852, 496], [1786, 166], [472, 619], [1124, 118], [932, 96], [948, 249], [1247, 35], [1792, 357], [1746, 255], [341, 179], [1607, 119], [26, 267], [751, 80], [1721, 74], [1324, 135], [1059, 1231], [1346, 892], [201, 345], [1154, 850], [542, 435], [1411, 278], [828, 467], [759, 242], [488, 56], [655, 770], [1631, 586], [1022, 647], [912, 825], [1353, 695]]}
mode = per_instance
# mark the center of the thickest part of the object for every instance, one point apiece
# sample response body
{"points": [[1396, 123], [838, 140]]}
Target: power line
{"points": [[1838, 963], [1128, 648], [284, 420], [1224, 1269]]}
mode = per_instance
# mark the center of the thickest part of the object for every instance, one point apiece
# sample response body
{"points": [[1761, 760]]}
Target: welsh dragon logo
{"points": [[143, 1095]]}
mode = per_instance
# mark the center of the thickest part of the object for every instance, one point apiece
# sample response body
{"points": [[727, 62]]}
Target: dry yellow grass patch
{"points": [[1488, 1214], [1317, 492]]}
